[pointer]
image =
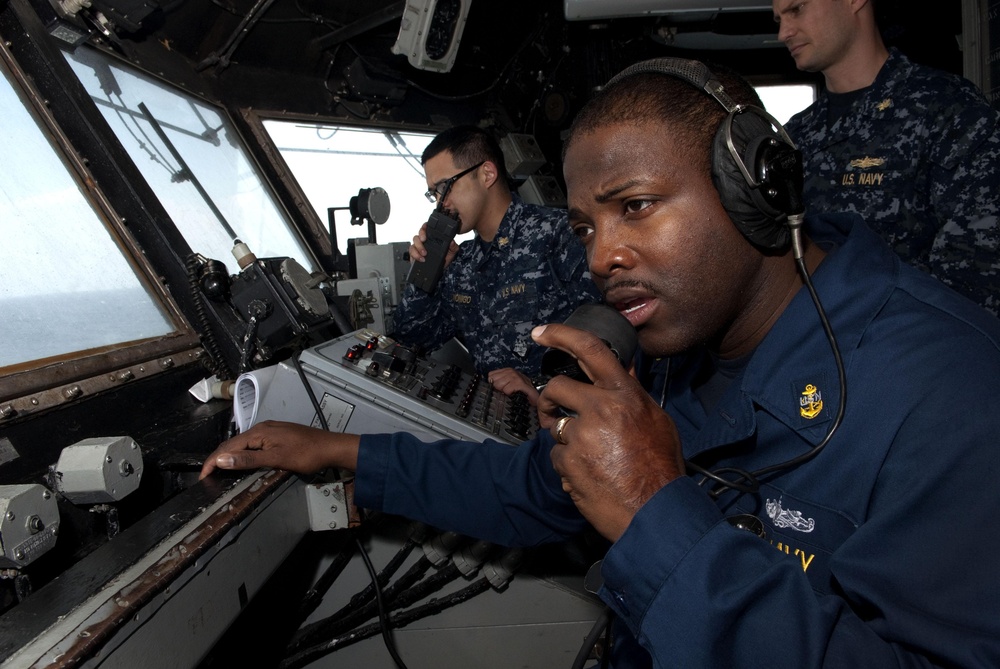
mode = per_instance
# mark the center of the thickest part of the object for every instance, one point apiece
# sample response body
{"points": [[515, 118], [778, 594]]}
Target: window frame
{"points": [[39, 384]]}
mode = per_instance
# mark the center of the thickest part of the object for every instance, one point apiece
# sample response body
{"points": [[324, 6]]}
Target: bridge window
{"points": [[193, 160], [783, 101], [65, 285], [331, 163]]}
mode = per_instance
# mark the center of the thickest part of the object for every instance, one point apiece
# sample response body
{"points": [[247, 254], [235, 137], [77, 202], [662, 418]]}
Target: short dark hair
{"points": [[468, 145], [691, 113]]}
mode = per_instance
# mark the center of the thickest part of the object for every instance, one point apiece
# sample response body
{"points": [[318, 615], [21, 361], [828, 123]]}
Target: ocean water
{"points": [[32, 328]]}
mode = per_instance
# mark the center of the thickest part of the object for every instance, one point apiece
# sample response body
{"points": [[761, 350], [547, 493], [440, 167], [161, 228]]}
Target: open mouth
{"points": [[630, 306], [633, 299], [637, 310]]}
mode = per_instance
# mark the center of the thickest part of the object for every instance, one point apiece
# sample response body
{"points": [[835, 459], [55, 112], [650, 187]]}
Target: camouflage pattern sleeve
{"points": [[965, 196]]}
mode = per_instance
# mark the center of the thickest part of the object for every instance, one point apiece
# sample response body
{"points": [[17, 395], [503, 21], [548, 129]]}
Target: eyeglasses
{"points": [[440, 189]]}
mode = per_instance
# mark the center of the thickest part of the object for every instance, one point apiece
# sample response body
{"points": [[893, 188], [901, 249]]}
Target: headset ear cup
{"points": [[778, 168], [754, 213]]}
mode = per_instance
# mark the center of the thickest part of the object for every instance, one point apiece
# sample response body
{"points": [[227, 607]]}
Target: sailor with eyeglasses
{"points": [[524, 266]]}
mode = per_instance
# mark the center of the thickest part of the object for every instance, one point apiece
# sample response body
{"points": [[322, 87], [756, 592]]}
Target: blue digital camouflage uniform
{"points": [[918, 156], [492, 295]]}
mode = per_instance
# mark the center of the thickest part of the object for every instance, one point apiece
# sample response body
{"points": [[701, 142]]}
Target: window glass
{"points": [[785, 100], [64, 284], [193, 160], [332, 163]]}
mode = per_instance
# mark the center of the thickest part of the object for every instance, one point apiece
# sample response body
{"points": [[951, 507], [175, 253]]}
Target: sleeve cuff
{"points": [[373, 463], [657, 540]]}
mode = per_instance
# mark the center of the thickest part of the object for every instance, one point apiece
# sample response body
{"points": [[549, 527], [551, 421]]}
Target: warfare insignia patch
{"points": [[788, 518], [866, 162], [885, 104]]}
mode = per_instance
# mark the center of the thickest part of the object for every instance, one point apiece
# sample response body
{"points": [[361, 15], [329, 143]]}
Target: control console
{"points": [[366, 383]]}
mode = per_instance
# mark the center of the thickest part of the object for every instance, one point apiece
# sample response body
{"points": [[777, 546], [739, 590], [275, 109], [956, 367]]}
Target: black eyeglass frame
{"points": [[443, 187]]}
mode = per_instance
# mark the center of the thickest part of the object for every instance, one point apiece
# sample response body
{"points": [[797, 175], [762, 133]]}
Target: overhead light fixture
{"points": [[430, 32]]}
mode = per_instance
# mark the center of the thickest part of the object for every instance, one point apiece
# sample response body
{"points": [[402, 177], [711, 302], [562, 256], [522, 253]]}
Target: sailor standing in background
{"points": [[914, 150]]}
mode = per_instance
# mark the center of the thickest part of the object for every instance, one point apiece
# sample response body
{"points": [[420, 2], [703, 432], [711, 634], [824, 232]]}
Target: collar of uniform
{"points": [[894, 70], [853, 283], [895, 67], [894, 73], [507, 232]]}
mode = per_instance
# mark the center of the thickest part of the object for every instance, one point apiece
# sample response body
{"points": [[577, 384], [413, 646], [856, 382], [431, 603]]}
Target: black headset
{"points": [[755, 165]]}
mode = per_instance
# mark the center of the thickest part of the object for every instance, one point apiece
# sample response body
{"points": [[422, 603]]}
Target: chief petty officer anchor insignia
{"points": [[811, 402]]}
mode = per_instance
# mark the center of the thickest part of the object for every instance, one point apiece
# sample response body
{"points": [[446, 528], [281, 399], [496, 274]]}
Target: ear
{"points": [[857, 5], [489, 173]]}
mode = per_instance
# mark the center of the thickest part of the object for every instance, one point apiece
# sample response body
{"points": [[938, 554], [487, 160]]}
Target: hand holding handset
{"points": [[605, 322], [441, 231]]}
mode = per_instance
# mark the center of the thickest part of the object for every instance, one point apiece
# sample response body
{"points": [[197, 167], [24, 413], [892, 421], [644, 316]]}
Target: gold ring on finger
{"points": [[560, 426]]}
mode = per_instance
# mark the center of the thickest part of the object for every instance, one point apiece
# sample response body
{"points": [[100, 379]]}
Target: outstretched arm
{"points": [[288, 446]]}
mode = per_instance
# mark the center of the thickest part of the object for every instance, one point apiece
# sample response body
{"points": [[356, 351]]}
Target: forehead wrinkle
{"points": [[618, 166], [613, 192], [781, 7], [606, 196]]}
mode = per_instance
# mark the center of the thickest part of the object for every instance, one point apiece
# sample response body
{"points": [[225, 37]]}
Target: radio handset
{"points": [[441, 231], [599, 319]]}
